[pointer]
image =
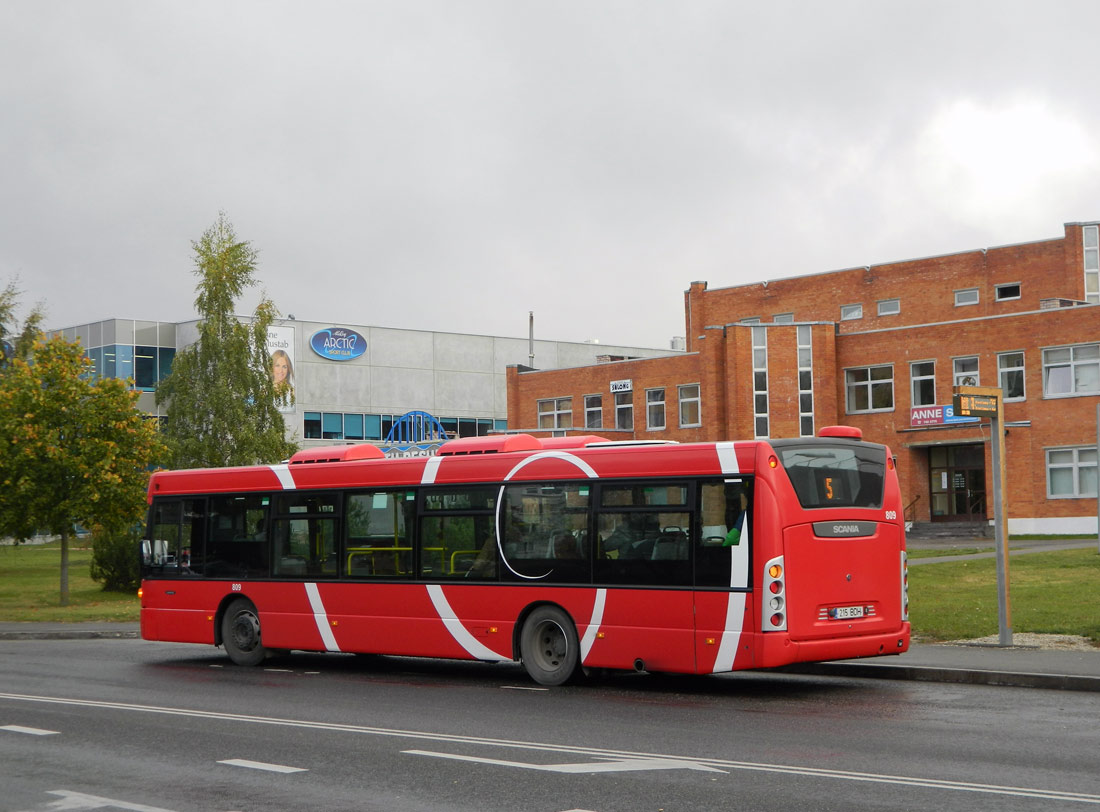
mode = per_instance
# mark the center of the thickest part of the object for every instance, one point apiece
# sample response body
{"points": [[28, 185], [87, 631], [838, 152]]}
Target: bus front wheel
{"points": [[548, 646], [241, 633]]}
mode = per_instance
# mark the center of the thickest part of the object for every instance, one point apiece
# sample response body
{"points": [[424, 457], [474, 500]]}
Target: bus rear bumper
{"points": [[780, 649]]}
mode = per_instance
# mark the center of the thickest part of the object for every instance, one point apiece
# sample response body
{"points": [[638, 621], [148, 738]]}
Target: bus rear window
{"points": [[826, 476]]}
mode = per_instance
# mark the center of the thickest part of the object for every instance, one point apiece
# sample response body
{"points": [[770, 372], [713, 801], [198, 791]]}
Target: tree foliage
{"points": [[14, 342], [73, 449], [222, 402]]}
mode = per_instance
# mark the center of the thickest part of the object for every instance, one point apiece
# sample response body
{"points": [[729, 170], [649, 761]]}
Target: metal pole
{"points": [[1098, 479], [1004, 615]]}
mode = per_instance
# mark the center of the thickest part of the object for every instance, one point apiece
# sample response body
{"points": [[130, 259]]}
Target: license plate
{"points": [[844, 612]]}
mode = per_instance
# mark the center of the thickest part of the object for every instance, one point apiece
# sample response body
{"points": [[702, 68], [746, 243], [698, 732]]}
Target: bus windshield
{"points": [[841, 475]]}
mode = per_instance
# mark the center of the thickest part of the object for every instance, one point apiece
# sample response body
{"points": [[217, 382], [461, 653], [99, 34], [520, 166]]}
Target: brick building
{"points": [[881, 348]]}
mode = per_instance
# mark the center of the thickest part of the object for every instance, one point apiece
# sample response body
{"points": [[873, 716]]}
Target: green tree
{"points": [[222, 402], [13, 341], [73, 449]]}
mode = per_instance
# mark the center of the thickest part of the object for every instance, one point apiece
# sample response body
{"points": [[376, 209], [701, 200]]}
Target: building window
{"points": [[966, 371], [624, 411], [332, 426], [870, 389], [889, 307], [1071, 473], [688, 396], [805, 381], [968, 296], [593, 411], [312, 426], [760, 381], [922, 374], [751, 320], [1071, 370], [851, 312], [1092, 264], [1010, 372], [555, 413], [1006, 292], [783, 318], [655, 409]]}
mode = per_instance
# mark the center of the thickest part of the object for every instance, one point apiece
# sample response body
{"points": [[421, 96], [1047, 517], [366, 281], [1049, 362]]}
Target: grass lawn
{"points": [[30, 586], [1049, 593]]}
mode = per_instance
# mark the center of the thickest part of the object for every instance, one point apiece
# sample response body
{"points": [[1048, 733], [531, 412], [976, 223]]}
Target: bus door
{"points": [[723, 612], [842, 551]]}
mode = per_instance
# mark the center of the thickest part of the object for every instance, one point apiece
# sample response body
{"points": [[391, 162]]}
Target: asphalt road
{"points": [[136, 725]]}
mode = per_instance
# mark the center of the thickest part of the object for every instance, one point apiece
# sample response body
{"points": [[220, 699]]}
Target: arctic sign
{"points": [[338, 343]]}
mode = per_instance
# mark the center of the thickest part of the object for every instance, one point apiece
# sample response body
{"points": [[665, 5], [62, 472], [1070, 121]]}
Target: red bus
{"points": [[565, 554]]}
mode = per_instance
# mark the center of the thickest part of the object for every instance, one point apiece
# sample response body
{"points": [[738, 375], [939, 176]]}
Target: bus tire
{"points": [[241, 633], [548, 646]]}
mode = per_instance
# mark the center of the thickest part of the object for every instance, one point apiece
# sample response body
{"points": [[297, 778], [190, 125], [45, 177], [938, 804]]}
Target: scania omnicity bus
{"points": [[565, 554]]}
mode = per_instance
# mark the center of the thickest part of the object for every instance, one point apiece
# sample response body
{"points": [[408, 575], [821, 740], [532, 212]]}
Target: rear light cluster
{"points": [[774, 609], [904, 585]]}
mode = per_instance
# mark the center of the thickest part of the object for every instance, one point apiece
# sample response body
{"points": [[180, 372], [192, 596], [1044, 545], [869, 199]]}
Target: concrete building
{"points": [[355, 383], [880, 348]]}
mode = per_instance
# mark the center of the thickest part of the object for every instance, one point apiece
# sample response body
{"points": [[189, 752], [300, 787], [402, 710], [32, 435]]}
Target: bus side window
{"points": [[722, 550]]}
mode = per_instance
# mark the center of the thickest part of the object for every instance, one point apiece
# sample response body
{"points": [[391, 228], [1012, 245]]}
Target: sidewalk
{"points": [[975, 664]]}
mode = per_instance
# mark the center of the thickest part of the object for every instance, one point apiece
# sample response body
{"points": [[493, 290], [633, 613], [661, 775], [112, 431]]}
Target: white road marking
{"points": [[610, 766], [586, 752], [33, 731], [262, 765], [78, 800]]}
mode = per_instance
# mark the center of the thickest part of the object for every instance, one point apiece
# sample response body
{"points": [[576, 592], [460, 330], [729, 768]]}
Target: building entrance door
{"points": [[958, 483]]}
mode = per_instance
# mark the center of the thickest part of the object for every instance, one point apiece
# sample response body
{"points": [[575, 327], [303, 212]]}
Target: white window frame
{"points": [[1002, 370], [997, 297], [624, 410], [687, 394], [783, 318], [1076, 465], [655, 409], [595, 411], [960, 376], [804, 339], [555, 413], [916, 379], [1090, 357], [870, 385], [761, 425], [889, 307], [751, 320], [851, 312], [962, 297], [1090, 253]]}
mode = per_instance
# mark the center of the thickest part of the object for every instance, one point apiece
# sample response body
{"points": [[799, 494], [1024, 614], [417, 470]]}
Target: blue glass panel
{"points": [[145, 367], [500, 425], [164, 369], [372, 427], [313, 426], [124, 361], [353, 427], [484, 426], [96, 354], [109, 361], [332, 426], [450, 425]]}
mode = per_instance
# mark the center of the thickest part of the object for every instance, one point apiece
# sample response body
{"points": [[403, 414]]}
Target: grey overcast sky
{"points": [[454, 164]]}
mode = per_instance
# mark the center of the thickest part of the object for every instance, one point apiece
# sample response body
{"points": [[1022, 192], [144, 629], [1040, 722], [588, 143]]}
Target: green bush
{"points": [[115, 559]]}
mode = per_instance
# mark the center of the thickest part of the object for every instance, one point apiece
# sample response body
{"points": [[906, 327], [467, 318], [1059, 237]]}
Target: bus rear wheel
{"points": [[548, 646], [241, 633]]}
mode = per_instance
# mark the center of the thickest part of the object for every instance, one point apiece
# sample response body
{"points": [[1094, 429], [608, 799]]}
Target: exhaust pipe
{"points": [[639, 666]]}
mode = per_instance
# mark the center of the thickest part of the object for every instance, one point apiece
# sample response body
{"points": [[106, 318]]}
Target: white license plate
{"points": [[844, 612]]}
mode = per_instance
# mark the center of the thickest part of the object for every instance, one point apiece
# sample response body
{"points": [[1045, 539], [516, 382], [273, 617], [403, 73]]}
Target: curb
{"points": [[964, 676], [75, 634]]}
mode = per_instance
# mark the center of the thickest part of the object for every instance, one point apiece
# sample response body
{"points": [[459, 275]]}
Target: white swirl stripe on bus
{"points": [[731, 633], [320, 617], [474, 647], [285, 478], [431, 469], [727, 458], [593, 629]]}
